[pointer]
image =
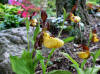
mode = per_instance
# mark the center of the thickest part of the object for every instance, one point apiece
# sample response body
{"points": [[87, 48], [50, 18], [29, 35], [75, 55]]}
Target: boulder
{"points": [[12, 42], [97, 14]]}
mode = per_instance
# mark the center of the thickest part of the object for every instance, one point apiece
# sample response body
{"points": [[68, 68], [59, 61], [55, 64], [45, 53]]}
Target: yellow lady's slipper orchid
{"points": [[51, 42], [98, 10], [77, 19], [71, 14], [74, 19], [83, 55], [33, 22], [95, 38]]}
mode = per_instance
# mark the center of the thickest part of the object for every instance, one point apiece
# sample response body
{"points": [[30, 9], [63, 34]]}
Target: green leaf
{"points": [[37, 58], [79, 70], [59, 72], [68, 39], [96, 55], [65, 14], [95, 70], [18, 65], [50, 54], [36, 32], [69, 28], [43, 66], [27, 24], [83, 63], [90, 37], [70, 58], [32, 41], [23, 64]]}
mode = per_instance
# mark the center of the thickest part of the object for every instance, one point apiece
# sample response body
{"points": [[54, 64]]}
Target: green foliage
{"points": [[27, 24], [38, 57], [90, 37], [79, 70], [91, 70], [36, 32], [36, 2], [65, 15], [2, 25], [70, 58], [27, 28], [83, 63], [9, 17], [95, 70], [87, 70], [49, 56], [59, 72], [22, 65], [43, 66], [25, 64], [95, 2], [51, 9], [95, 55], [68, 39]]}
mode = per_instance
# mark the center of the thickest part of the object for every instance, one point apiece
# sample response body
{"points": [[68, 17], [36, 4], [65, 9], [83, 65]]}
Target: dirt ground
{"points": [[58, 61]]}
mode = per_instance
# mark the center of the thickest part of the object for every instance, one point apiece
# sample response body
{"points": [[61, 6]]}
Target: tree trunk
{"points": [[68, 5]]}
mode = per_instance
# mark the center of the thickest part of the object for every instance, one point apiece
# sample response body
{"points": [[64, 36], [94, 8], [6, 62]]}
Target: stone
{"points": [[12, 42], [97, 14]]}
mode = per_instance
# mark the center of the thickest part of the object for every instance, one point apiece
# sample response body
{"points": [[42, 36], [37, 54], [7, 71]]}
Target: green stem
{"points": [[61, 30], [80, 35], [28, 40], [52, 51], [92, 68]]}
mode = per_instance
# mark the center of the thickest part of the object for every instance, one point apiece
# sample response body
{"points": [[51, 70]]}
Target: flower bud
{"points": [[33, 22], [77, 19], [83, 55], [95, 38]]}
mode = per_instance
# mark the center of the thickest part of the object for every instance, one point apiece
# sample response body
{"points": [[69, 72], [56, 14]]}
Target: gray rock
{"points": [[97, 14], [12, 42]]}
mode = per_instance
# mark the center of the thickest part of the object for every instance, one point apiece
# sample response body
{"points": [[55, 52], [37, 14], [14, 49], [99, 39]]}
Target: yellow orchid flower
{"points": [[51, 42], [98, 10], [83, 55], [74, 19], [95, 38], [33, 22], [77, 19]]}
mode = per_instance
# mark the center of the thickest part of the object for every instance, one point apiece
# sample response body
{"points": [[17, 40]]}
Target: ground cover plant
{"points": [[9, 17], [13, 14], [74, 31]]}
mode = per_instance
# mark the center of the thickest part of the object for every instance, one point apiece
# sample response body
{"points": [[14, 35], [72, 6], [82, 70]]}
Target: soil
{"points": [[59, 62]]}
